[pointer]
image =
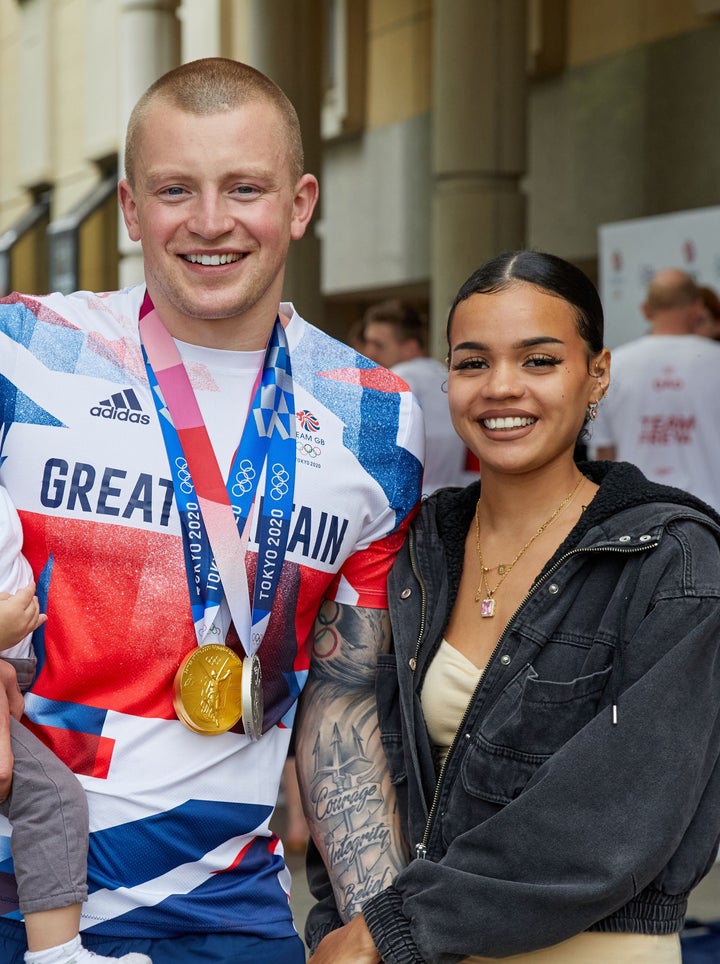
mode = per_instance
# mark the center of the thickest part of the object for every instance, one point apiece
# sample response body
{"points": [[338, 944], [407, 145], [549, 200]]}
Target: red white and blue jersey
{"points": [[180, 837]]}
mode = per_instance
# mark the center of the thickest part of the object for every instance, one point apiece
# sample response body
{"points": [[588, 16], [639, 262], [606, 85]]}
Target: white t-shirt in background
{"points": [[662, 411]]}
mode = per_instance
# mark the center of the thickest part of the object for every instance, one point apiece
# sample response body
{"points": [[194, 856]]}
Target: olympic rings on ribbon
{"points": [[183, 475], [244, 478], [278, 481]]}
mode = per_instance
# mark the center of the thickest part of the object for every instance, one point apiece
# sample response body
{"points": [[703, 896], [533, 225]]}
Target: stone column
{"points": [[286, 44], [149, 38], [478, 142], [201, 32]]}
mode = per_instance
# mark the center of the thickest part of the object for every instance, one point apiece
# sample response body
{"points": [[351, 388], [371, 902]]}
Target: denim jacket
{"points": [[582, 790]]}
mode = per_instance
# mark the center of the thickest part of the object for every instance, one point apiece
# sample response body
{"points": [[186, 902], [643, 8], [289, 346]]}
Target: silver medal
{"points": [[252, 697]]}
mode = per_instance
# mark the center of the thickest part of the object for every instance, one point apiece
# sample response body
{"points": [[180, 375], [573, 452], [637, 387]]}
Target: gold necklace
{"points": [[487, 607]]}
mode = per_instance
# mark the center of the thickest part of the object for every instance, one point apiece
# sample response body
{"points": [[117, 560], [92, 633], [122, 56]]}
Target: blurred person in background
{"points": [[662, 412], [394, 335], [709, 324]]}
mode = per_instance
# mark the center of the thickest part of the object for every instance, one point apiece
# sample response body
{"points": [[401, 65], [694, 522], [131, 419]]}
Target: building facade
{"points": [[443, 131]]}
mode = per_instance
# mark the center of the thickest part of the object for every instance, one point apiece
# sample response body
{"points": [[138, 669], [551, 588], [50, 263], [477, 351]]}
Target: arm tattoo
{"points": [[349, 799]]}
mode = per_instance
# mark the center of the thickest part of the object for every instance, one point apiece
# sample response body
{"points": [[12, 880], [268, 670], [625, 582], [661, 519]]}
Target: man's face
{"points": [[215, 207], [382, 344]]}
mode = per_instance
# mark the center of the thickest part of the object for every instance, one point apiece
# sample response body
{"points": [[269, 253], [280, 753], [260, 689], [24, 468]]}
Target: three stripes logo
{"points": [[122, 407]]}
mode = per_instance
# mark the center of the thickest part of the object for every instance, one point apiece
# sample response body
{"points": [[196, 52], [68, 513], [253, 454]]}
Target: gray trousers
{"points": [[48, 811]]}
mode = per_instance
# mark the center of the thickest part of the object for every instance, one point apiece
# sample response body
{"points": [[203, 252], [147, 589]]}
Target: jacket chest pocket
{"points": [[531, 719]]}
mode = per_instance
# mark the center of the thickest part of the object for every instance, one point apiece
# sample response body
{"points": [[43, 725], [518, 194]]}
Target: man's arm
{"points": [[348, 797]]}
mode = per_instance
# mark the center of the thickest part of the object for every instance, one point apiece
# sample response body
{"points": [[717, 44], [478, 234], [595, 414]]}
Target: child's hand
{"points": [[19, 615]]}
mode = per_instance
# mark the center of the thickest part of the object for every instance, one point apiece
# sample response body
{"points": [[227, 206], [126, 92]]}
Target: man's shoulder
{"points": [[701, 346], [648, 349], [381, 423], [677, 350], [72, 309], [641, 344], [323, 359]]}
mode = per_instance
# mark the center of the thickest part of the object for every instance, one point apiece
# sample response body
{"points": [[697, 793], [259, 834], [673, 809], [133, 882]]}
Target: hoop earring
{"points": [[592, 410]]}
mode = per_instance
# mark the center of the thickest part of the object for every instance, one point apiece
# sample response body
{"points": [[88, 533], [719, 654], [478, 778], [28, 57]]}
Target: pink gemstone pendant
{"points": [[487, 607]]}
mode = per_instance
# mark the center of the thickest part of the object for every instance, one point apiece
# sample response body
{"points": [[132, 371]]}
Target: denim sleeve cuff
{"points": [[390, 929]]}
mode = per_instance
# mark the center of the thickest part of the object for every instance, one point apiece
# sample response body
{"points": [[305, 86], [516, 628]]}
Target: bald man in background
{"points": [[662, 411]]}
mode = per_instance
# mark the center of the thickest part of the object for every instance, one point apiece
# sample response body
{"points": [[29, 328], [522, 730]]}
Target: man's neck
{"points": [[217, 334], [249, 332], [671, 324]]}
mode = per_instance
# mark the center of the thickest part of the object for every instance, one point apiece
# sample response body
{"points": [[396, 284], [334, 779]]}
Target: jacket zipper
{"points": [[423, 596], [421, 848]]}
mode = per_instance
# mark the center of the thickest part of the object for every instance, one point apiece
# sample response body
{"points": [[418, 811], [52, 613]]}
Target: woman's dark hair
{"points": [[547, 272]]}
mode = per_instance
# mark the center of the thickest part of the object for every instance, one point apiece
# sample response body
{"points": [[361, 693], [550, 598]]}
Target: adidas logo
{"points": [[123, 407]]}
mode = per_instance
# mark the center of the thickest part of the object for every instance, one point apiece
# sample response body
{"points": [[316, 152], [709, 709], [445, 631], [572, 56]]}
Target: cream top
{"points": [[449, 685]]}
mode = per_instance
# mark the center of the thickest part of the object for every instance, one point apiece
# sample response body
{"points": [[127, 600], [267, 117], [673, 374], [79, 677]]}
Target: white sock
{"points": [[56, 955], [74, 953]]}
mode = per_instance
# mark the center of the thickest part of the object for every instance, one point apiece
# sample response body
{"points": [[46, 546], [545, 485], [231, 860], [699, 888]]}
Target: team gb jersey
{"points": [[180, 837]]}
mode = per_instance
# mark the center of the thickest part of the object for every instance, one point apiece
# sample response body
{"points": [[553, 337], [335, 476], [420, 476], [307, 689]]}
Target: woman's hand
{"points": [[351, 944]]}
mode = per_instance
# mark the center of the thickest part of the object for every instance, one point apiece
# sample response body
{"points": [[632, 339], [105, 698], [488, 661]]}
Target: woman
{"points": [[550, 711], [709, 325]]}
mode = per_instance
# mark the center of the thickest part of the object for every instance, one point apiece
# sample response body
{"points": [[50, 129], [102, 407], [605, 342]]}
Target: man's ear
{"points": [[129, 209], [307, 192]]}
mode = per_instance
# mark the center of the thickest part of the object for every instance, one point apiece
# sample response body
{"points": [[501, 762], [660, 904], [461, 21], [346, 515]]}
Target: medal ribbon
{"points": [[215, 515]]}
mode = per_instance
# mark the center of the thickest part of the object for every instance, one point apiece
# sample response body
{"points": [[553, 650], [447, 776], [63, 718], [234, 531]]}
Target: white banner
{"points": [[630, 252]]}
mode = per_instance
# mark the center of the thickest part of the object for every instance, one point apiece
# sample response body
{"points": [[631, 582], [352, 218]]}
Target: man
{"points": [[200, 474], [394, 336], [661, 411]]}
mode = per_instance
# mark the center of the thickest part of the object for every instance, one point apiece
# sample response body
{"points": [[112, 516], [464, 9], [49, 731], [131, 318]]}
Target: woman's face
{"points": [[518, 383]]}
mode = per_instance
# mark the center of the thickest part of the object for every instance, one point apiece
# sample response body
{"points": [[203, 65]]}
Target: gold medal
{"points": [[253, 704], [208, 689]]}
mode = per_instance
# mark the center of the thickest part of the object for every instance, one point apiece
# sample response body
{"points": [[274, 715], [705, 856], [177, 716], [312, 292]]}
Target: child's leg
{"points": [[48, 812], [50, 928]]}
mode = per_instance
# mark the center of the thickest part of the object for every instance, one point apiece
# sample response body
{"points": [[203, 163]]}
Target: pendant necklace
{"points": [[484, 592]]}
